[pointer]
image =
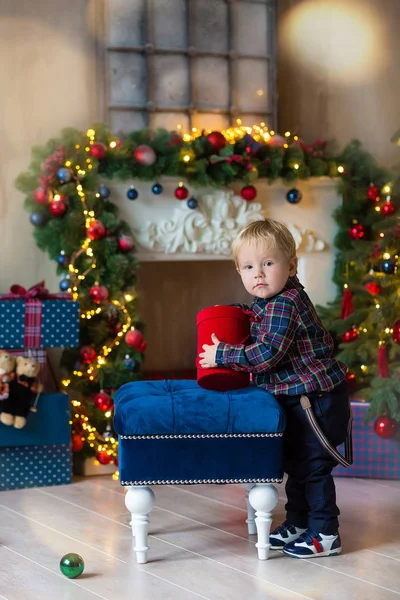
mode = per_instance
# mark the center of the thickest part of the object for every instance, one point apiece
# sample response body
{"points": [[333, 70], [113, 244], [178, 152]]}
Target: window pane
{"points": [[127, 78], [171, 80], [169, 18], [211, 84], [210, 25], [252, 89], [210, 121], [250, 30], [126, 22], [169, 121], [125, 121]]}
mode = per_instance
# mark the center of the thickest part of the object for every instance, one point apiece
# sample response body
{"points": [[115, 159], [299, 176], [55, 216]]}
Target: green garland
{"points": [[92, 156]]}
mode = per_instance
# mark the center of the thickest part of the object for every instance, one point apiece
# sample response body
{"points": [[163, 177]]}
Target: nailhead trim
{"points": [[199, 436], [188, 481]]}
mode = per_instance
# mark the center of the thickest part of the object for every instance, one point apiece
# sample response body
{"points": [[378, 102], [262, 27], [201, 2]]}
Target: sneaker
{"points": [[311, 544], [284, 534]]}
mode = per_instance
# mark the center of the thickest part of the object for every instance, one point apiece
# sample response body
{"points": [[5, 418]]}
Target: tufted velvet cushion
{"points": [[175, 432], [182, 407]]}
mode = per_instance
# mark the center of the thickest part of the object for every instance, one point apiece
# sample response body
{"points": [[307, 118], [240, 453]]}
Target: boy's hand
{"points": [[207, 358]]}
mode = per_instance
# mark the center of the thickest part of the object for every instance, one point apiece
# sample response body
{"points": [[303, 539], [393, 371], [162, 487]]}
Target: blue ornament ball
{"points": [[248, 139], [132, 193], [62, 260], [38, 219], [192, 203], [64, 285], [294, 196], [108, 434], [129, 362], [104, 191], [64, 175], [389, 266], [157, 189]]}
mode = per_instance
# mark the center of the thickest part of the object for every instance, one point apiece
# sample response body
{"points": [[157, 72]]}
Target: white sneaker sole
{"points": [[283, 542], [334, 552]]}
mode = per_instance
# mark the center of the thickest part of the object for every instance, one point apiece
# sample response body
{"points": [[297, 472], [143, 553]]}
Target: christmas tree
{"points": [[77, 223], [366, 314]]}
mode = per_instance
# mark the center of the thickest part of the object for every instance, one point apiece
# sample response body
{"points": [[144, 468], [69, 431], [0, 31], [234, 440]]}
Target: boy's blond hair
{"points": [[273, 233]]}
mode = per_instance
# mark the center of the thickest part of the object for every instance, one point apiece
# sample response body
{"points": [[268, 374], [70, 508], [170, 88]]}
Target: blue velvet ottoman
{"points": [[175, 432]]}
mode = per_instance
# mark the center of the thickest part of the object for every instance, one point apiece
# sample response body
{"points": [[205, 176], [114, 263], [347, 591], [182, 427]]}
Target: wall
{"points": [[338, 71], [47, 66]]}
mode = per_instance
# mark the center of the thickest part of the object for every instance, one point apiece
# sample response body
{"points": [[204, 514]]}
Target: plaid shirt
{"points": [[291, 351]]}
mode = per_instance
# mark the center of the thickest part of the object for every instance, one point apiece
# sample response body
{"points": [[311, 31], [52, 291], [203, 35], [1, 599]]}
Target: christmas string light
{"points": [[81, 425]]}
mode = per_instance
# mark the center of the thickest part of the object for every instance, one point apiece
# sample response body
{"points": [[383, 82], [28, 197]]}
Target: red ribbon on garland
{"points": [[347, 303], [383, 367]]}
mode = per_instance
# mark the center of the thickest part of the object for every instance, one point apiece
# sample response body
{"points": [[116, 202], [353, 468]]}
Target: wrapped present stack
{"points": [[34, 424], [376, 450]]}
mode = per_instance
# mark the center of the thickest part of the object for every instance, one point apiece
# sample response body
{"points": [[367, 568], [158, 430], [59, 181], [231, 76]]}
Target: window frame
{"points": [[149, 50]]}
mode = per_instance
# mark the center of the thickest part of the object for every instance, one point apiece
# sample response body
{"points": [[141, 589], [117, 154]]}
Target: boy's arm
{"points": [[278, 328]]}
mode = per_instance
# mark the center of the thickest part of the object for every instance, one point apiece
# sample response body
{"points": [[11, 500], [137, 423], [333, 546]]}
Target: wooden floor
{"points": [[198, 546]]}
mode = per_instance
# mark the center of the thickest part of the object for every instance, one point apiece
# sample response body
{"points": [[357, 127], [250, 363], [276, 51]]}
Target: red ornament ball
{"points": [[96, 230], [373, 288], [396, 332], [388, 208], [76, 443], [125, 243], [351, 381], [42, 196], [217, 140], [373, 192], [88, 355], [98, 293], [357, 232], [58, 208], [385, 427], [181, 192], [98, 150], [103, 401], [248, 193], [103, 457], [350, 335], [176, 140], [145, 156], [134, 338]]}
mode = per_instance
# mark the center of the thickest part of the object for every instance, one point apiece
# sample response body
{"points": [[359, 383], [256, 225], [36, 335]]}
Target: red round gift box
{"points": [[231, 325]]}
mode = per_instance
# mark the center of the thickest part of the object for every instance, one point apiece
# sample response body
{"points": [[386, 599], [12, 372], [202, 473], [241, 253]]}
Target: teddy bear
{"points": [[7, 366], [23, 389]]}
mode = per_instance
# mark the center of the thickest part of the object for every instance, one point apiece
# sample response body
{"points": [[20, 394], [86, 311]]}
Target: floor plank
{"points": [[104, 574], [199, 545], [23, 578]]}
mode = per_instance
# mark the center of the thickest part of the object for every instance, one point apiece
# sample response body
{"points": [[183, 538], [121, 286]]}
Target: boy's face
{"points": [[264, 271]]}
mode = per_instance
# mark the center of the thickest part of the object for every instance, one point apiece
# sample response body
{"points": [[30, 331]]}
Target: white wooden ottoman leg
{"points": [[251, 513], [139, 500], [263, 497]]}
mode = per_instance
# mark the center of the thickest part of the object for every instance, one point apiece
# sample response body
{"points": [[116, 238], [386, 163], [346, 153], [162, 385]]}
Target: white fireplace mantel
{"points": [[165, 229]]}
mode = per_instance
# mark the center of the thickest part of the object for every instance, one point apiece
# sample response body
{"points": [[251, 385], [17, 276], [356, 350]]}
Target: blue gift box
{"points": [[39, 454], [374, 457], [59, 324]]}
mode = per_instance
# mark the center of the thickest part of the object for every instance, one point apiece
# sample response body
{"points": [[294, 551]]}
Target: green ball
{"points": [[72, 565]]}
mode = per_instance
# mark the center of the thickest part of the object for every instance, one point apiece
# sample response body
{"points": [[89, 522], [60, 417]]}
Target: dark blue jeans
{"points": [[310, 489]]}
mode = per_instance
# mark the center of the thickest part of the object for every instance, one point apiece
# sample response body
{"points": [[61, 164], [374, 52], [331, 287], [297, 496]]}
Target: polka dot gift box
{"points": [[40, 453], [36, 319]]}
